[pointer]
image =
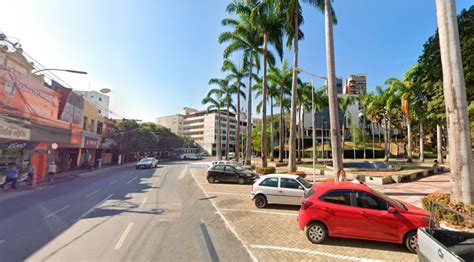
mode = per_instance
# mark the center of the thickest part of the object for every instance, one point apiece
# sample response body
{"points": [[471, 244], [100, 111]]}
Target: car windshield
{"points": [[393, 201], [304, 182], [237, 167], [145, 160]]}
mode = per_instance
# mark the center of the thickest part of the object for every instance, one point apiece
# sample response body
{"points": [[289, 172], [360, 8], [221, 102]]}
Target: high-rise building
{"points": [[339, 85], [356, 84], [101, 101], [201, 127]]}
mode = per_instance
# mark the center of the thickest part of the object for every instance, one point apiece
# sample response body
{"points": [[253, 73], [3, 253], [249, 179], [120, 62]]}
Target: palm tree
{"points": [[376, 111], [281, 76], [226, 91], [246, 39], [304, 103], [216, 102], [237, 74], [273, 93], [294, 18], [344, 102], [268, 23], [320, 102]]}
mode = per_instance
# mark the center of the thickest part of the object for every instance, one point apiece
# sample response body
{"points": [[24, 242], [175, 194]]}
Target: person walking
{"points": [[341, 175], [11, 176], [52, 170]]}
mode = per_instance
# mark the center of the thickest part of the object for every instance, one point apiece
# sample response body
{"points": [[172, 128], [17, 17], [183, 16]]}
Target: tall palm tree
{"points": [[304, 104], [226, 91], [236, 74], [273, 93], [215, 102], [294, 18], [268, 22], [281, 76], [344, 102], [244, 39], [320, 102]]}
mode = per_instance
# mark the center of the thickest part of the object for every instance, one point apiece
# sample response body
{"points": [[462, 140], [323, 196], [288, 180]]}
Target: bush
{"points": [[446, 215], [265, 170], [299, 173], [278, 164]]}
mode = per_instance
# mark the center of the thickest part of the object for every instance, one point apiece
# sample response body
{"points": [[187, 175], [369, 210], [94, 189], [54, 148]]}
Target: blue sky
{"points": [[157, 56]]}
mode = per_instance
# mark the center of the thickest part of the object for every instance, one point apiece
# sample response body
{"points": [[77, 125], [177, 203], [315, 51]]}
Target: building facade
{"points": [[356, 84], [203, 127], [99, 100]]}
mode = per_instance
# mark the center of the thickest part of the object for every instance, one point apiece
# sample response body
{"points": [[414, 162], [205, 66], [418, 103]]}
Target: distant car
{"points": [[230, 173], [227, 162], [350, 210], [149, 162], [231, 155], [279, 189]]}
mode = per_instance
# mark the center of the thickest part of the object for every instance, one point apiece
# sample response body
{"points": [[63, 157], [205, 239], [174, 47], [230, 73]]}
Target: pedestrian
{"points": [[11, 176], [99, 163], [69, 164], [91, 164], [31, 172], [341, 175], [52, 170]]}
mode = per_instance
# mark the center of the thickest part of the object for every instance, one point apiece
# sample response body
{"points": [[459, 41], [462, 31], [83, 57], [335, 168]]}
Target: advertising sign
{"points": [[90, 142], [13, 131]]}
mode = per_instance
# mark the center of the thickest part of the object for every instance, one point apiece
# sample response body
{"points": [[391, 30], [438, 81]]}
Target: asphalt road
{"points": [[121, 215]]}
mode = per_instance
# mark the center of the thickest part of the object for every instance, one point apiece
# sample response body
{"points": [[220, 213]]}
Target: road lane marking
{"points": [[185, 170], [225, 193], [131, 172], [258, 211], [315, 252], [57, 211], [143, 202], [131, 180], [226, 222], [2, 241], [93, 192], [113, 182], [124, 235], [95, 206]]}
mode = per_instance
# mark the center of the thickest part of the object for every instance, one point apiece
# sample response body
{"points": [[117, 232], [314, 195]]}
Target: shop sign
{"points": [[13, 131], [90, 142]]}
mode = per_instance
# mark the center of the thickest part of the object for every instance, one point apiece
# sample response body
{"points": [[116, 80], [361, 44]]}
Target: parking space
{"points": [[272, 233]]}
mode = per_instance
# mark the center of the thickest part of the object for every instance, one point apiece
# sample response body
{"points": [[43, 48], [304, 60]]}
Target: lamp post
{"points": [[312, 117]]}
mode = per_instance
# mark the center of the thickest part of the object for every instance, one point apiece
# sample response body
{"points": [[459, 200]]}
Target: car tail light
{"points": [[306, 204]]}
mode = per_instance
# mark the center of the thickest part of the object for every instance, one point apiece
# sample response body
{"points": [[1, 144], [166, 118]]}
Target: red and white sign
{"points": [[91, 142]]}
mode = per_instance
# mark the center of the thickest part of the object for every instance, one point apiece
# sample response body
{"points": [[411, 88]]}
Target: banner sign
{"points": [[13, 131]]}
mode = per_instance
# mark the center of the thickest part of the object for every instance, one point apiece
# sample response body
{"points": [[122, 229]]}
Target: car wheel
{"points": [[316, 232], [260, 201], [211, 180], [241, 180], [410, 241]]}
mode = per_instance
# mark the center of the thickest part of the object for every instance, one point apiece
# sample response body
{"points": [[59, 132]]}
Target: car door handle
{"points": [[280, 191]]}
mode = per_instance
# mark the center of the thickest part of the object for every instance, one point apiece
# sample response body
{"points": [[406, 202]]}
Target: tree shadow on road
{"points": [[356, 243]]}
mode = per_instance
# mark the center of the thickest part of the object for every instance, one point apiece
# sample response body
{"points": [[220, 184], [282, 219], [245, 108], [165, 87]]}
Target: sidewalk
{"points": [[24, 187]]}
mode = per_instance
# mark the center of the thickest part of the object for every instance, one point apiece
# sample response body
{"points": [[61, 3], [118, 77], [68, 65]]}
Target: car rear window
{"points": [[340, 197], [309, 193], [270, 182]]}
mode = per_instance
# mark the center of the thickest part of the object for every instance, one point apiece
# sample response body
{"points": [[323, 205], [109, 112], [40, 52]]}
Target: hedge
{"points": [[265, 170], [447, 216]]}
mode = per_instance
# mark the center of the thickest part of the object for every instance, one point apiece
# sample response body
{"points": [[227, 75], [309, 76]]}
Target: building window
{"points": [[100, 99], [100, 111], [84, 125]]}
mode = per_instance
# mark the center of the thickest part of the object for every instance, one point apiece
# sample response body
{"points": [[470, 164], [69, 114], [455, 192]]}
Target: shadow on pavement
{"points": [[356, 243]]}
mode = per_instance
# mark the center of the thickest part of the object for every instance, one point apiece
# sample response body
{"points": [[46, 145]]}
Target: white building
{"points": [[101, 101], [201, 127]]}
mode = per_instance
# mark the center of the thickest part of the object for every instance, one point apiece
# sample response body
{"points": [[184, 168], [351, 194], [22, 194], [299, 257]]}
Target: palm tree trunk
{"points": [[409, 155], [454, 87], [322, 137], [315, 155], [332, 96], [298, 136], [237, 130], [248, 148], [219, 141], [272, 158], [364, 125], [302, 133], [343, 135], [439, 144], [227, 134], [422, 147], [264, 102], [282, 126], [294, 96]]}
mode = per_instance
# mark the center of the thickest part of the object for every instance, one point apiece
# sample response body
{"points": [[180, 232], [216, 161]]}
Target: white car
{"points": [[279, 189], [223, 162]]}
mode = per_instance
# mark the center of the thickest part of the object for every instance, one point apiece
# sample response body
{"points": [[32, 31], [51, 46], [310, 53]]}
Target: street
{"points": [[120, 215]]}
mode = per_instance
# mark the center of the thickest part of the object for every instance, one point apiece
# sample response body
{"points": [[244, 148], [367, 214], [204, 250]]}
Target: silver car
{"points": [[279, 189]]}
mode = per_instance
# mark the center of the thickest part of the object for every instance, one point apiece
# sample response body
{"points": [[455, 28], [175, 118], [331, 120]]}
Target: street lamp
{"points": [[51, 69], [312, 116]]}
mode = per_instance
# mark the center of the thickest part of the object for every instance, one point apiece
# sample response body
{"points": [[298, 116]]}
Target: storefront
{"points": [[14, 143], [89, 147]]}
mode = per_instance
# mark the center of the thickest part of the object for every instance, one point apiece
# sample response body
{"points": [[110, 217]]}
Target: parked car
{"points": [[442, 244], [195, 157], [227, 162], [230, 173], [231, 155], [351, 210], [148, 162], [279, 189]]}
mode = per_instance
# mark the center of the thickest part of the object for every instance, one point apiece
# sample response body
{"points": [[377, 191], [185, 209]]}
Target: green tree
{"points": [[344, 102]]}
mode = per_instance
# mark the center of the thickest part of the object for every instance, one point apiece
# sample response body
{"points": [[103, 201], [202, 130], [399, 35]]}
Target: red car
{"points": [[351, 210]]}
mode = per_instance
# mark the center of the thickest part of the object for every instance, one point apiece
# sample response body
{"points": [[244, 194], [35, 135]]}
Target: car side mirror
{"points": [[300, 188], [392, 210]]}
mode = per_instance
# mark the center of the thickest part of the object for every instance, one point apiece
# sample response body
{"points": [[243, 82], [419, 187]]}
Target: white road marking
{"points": [[113, 182], [143, 202], [93, 192], [185, 170], [2, 241], [164, 219], [95, 206], [263, 212], [159, 182], [131, 180], [131, 172], [226, 222], [315, 252], [57, 211], [233, 194], [124, 235]]}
